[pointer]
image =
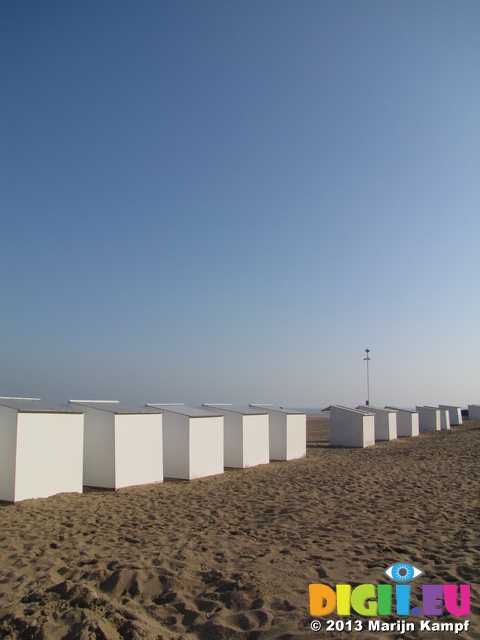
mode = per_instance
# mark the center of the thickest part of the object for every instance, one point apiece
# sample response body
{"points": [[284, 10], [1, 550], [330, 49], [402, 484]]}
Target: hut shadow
{"points": [[318, 445]]}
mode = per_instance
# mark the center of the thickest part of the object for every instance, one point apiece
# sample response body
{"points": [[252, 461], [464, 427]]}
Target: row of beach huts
{"points": [[48, 448], [365, 425]]}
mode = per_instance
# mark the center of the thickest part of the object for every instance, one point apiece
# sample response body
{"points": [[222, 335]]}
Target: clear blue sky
{"points": [[229, 201]]}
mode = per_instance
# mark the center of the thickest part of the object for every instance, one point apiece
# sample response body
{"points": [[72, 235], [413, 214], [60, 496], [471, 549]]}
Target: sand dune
{"points": [[232, 556]]}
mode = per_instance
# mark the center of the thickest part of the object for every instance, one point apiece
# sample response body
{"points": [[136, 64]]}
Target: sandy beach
{"points": [[232, 556]]}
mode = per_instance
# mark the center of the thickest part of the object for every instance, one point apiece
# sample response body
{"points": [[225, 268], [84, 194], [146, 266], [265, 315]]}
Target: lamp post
{"points": [[368, 379]]}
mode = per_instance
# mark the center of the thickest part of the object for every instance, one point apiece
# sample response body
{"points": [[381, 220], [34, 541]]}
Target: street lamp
{"points": [[368, 379]]}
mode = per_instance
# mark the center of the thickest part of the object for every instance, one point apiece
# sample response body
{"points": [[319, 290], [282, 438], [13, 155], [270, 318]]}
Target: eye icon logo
{"points": [[402, 572]]}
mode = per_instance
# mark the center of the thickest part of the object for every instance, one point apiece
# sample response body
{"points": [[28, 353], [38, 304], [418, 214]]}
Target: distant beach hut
{"points": [[474, 411], [246, 439], [385, 422], [287, 432], [192, 441], [351, 427], [444, 417], [407, 422], [122, 444], [455, 413], [41, 449], [429, 418]]}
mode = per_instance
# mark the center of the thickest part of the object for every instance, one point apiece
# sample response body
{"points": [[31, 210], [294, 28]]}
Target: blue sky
{"points": [[230, 201]]}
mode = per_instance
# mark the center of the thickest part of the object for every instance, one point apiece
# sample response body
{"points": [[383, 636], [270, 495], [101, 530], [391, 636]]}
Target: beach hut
{"points": [[385, 422], [41, 449], [287, 432], [455, 413], [122, 444], [444, 417], [429, 418], [245, 432], [351, 427], [407, 422], [192, 441], [474, 411]]}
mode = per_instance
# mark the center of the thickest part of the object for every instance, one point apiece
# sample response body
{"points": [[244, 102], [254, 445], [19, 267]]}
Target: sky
{"points": [[229, 201]]}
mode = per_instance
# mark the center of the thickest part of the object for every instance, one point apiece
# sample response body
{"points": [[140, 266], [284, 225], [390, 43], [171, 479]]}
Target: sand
{"points": [[232, 556]]}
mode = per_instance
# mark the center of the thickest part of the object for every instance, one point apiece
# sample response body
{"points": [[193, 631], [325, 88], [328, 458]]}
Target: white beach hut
{"points": [[192, 441], [455, 413], [385, 422], [444, 417], [351, 427], [474, 411], [246, 439], [429, 418], [122, 444], [287, 432], [407, 422], [41, 449]]}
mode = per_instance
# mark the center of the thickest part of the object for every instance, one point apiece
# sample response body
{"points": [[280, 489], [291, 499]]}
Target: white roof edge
{"points": [[164, 404], [389, 409], [217, 404], [231, 408], [17, 398], [341, 406], [97, 401], [272, 407]]}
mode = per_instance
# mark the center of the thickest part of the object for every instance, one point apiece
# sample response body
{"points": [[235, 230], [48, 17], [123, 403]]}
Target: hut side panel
{"points": [[385, 422], [175, 446], [206, 447], [99, 449], [256, 444], [277, 435], [455, 414], [233, 440], [8, 452], [49, 454], [444, 418], [351, 427], [407, 422], [415, 424], [296, 436], [138, 449], [429, 418], [474, 411]]}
